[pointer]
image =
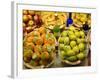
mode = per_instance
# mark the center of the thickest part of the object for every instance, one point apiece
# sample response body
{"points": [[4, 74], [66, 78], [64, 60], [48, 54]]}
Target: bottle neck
{"points": [[70, 15]]}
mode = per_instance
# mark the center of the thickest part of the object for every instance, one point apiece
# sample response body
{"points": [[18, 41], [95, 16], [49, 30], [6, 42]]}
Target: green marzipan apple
{"points": [[60, 40], [81, 56], [67, 47], [66, 40], [80, 40], [64, 33], [81, 46], [61, 46], [70, 53], [72, 37], [62, 54], [82, 34], [77, 33], [76, 49], [72, 58], [73, 43], [70, 33]]}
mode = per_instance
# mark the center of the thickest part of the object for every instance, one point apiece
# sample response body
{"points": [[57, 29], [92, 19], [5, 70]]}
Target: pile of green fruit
{"points": [[72, 44]]}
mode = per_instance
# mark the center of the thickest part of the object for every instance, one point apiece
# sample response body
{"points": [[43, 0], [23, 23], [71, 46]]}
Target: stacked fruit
{"points": [[41, 30], [81, 19], [72, 45], [31, 20], [51, 19], [39, 47]]}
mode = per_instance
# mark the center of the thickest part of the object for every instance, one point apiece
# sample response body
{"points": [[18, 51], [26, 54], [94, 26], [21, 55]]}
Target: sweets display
{"points": [[73, 46], [49, 42], [39, 47], [51, 19], [80, 19]]}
